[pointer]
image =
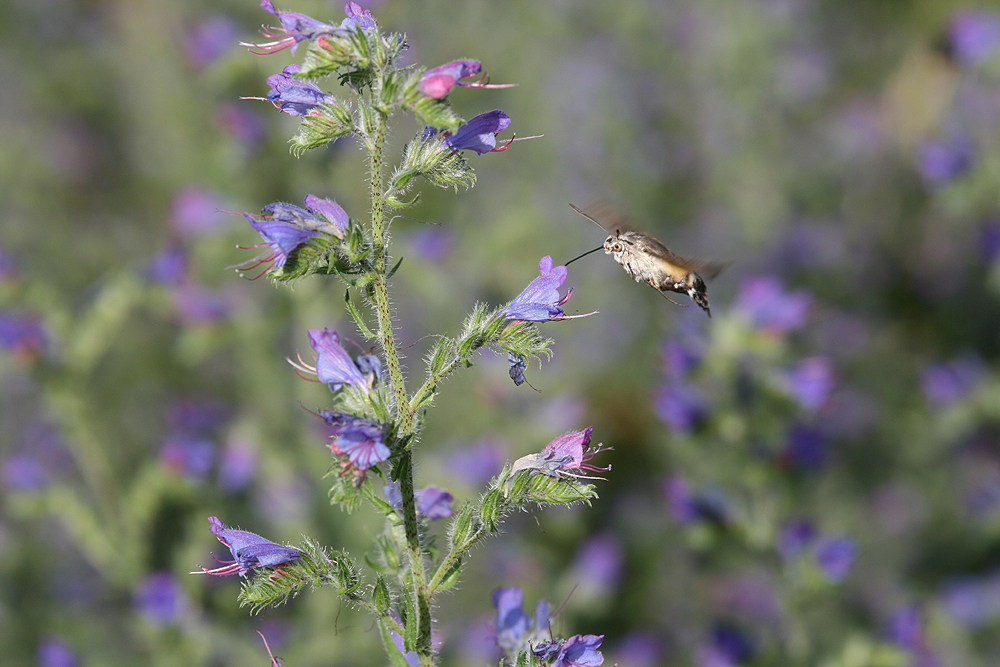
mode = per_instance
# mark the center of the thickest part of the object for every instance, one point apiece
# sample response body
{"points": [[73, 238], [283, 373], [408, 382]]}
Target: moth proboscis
{"points": [[644, 257]]}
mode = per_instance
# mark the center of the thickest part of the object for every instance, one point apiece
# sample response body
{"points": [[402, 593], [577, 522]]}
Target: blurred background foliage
{"points": [[811, 477]]}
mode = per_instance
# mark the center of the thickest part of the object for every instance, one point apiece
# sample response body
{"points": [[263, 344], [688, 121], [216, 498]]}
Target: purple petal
{"points": [[334, 366]]}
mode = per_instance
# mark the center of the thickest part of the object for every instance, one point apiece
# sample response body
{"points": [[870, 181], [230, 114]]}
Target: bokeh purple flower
{"points": [[728, 647], [941, 162], [209, 39], [974, 36], [599, 562], [196, 212], [810, 382], [23, 472], [807, 448], [947, 383], [680, 406], [835, 556], [797, 534], [771, 308], [514, 627], [24, 335], [160, 599], [188, 455], [55, 652], [169, 268]]}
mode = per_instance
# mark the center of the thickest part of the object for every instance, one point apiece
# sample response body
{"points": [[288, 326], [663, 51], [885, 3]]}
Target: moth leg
{"points": [[682, 305]]}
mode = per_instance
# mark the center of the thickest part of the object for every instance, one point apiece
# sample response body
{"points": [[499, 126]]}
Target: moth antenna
{"points": [[600, 247], [591, 218]]}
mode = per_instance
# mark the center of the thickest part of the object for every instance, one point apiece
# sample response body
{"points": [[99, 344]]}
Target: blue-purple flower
{"points": [[770, 307], [360, 440], [334, 366], [480, 134], [433, 502], [54, 652], [294, 28], [941, 162], [540, 300], [835, 556], [680, 406], [810, 382], [160, 599], [727, 648], [569, 455], [947, 383], [515, 629], [209, 39], [169, 267], [293, 95], [281, 237], [23, 335], [797, 533], [807, 448], [188, 455], [249, 551], [974, 36], [438, 82], [577, 651], [358, 18]]}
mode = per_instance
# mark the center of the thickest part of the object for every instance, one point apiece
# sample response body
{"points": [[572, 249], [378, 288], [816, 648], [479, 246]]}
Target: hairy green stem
{"points": [[405, 415]]}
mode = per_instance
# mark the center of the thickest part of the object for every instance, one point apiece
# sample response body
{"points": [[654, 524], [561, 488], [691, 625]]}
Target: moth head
{"points": [[614, 245]]}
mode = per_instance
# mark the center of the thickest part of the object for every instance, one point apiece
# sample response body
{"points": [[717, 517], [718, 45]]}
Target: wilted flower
{"points": [[568, 455], [540, 300], [294, 29], [334, 366], [249, 551], [360, 439]]}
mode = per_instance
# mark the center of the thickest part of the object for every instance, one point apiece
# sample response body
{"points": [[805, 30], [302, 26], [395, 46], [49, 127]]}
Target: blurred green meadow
{"points": [[810, 477]]}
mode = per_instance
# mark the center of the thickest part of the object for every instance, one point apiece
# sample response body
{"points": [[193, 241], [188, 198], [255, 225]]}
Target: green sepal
{"points": [[412, 623], [381, 597], [429, 158], [450, 577], [392, 202], [327, 122], [393, 270], [358, 318], [443, 354], [464, 527], [492, 507], [346, 54]]}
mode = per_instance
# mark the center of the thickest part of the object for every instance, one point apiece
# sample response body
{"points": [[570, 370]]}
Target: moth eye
{"points": [[617, 247]]}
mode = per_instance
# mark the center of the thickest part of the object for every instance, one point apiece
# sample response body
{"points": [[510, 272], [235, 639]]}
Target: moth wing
{"points": [[703, 267]]}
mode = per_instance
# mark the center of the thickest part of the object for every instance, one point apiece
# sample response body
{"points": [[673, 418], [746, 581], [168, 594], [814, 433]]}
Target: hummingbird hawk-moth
{"points": [[644, 257]]}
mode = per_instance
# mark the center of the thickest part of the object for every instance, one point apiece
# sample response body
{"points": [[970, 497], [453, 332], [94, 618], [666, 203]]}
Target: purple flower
{"points": [[198, 415], [210, 39], [243, 125], [198, 306], [974, 36], [478, 463], [293, 95], [579, 651], [945, 384], [480, 133], [540, 300], [972, 602], [358, 18], [334, 366], [810, 382], [54, 652], [21, 334], [727, 648], [514, 628], [600, 561], [796, 535], [294, 29], [438, 82], [361, 440], [680, 406], [770, 308], [23, 472], [806, 449], [433, 502], [569, 454], [195, 211], [941, 162], [835, 556], [688, 506], [906, 628], [281, 237], [160, 599], [249, 551], [187, 455], [679, 359], [169, 267], [237, 467]]}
